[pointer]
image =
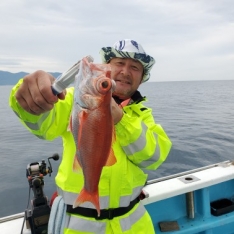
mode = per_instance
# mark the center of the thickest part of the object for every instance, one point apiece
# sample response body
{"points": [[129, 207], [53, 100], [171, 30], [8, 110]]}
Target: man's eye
{"points": [[120, 63], [135, 68]]}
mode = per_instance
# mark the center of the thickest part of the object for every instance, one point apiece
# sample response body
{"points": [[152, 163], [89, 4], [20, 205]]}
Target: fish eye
{"points": [[105, 84]]}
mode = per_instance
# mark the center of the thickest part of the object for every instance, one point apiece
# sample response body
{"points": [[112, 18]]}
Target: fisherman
{"points": [[141, 144]]}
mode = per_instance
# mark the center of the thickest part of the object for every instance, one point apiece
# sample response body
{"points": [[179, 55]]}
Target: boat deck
{"points": [[182, 203], [13, 224]]}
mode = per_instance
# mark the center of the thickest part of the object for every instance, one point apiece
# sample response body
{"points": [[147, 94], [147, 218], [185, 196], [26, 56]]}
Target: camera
{"points": [[37, 217]]}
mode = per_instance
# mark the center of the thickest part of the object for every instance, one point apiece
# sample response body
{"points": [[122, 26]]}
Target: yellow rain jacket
{"points": [[140, 144]]}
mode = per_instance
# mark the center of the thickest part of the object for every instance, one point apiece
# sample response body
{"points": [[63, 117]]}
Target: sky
{"points": [[189, 39]]}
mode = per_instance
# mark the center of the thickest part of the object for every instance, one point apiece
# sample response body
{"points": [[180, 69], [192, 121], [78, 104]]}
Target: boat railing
{"points": [[11, 217], [187, 172]]}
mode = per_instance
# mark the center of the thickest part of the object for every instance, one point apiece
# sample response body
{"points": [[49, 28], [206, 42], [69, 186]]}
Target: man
{"points": [[140, 144]]}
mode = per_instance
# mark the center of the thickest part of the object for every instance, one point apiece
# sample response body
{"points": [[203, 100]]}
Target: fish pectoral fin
{"points": [[82, 116], [76, 166]]}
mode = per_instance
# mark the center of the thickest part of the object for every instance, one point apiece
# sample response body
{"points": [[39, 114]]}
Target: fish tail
{"points": [[85, 196]]}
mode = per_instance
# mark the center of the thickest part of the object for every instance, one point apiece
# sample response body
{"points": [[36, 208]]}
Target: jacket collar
{"points": [[136, 97]]}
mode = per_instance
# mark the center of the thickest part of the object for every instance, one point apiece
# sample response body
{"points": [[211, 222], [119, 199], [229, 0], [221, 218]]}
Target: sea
{"points": [[198, 116]]}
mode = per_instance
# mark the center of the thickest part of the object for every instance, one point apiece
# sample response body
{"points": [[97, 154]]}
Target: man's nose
{"points": [[125, 71]]}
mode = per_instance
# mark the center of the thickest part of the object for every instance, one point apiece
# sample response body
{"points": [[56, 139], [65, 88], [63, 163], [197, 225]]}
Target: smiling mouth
{"points": [[123, 81]]}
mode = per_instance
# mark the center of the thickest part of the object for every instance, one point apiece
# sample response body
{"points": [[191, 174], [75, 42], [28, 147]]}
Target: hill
{"points": [[8, 78]]}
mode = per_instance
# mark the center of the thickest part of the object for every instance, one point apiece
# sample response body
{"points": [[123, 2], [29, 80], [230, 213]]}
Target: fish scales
{"points": [[92, 127]]}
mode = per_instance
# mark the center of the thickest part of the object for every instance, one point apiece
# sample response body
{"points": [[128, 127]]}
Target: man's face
{"points": [[127, 73]]}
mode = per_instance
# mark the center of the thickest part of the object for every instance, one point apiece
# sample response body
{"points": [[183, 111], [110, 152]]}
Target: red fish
{"points": [[92, 127]]}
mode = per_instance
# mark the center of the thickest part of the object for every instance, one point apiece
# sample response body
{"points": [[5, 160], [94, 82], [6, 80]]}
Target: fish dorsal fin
{"points": [[69, 127]]}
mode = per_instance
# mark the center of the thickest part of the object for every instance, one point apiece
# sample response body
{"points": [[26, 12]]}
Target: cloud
{"points": [[189, 39]]}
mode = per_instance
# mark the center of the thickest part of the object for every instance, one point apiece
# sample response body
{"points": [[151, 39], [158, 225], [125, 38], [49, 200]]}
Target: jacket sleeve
{"points": [[144, 142], [46, 126]]}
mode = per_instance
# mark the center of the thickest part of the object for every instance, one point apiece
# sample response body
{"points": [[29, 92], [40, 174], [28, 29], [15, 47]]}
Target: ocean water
{"points": [[198, 116]]}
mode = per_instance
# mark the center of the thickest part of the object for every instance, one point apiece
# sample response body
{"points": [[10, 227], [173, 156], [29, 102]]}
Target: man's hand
{"points": [[35, 95], [117, 111]]}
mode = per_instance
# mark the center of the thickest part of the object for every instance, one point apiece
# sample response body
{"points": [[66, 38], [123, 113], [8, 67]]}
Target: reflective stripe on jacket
{"points": [[140, 144]]}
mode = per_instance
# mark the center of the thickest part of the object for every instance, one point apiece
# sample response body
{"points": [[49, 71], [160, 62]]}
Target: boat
{"points": [[194, 201]]}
